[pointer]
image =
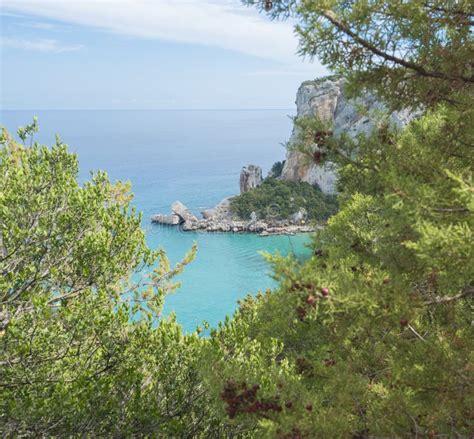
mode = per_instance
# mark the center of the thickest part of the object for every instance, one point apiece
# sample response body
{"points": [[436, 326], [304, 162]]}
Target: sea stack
{"points": [[250, 178]]}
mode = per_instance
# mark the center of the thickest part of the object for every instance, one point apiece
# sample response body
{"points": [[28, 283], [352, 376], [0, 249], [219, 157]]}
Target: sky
{"points": [[147, 54]]}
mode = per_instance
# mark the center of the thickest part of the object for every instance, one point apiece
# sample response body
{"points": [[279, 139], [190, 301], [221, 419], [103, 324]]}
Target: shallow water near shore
{"points": [[194, 157], [227, 267]]}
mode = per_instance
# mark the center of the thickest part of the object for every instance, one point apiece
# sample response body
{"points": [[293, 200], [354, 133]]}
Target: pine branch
{"points": [[468, 291], [332, 18]]}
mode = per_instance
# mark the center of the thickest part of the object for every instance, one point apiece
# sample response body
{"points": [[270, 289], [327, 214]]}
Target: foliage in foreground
{"points": [[77, 355], [373, 336], [279, 199]]}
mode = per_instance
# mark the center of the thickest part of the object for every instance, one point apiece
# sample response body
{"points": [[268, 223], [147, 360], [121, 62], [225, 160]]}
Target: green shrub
{"points": [[373, 335], [277, 169], [279, 199], [83, 350]]}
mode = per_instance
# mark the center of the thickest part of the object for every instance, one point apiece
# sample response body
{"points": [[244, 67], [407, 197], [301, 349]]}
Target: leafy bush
{"points": [[369, 335], [279, 199], [83, 349], [277, 169]]}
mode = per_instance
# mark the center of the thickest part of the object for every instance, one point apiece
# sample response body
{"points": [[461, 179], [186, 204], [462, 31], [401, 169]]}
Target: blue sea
{"points": [[194, 157]]}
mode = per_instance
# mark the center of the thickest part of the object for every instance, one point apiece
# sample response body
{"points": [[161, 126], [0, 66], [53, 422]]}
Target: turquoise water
{"points": [[194, 157]]}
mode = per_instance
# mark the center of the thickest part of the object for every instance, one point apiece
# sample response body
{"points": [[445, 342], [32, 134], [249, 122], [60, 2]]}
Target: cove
{"points": [[194, 157]]}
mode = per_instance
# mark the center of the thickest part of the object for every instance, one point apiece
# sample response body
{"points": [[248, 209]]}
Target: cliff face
{"points": [[325, 99]]}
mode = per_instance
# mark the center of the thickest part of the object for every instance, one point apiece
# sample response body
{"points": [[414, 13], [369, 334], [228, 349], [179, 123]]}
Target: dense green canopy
{"points": [[80, 350], [279, 199], [372, 337]]}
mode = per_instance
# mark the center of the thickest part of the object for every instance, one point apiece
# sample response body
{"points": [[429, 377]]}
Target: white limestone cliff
{"points": [[325, 99]]}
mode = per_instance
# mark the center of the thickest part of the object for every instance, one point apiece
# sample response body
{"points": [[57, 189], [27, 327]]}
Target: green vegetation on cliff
{"points": [[280, 199], [277, 169]]}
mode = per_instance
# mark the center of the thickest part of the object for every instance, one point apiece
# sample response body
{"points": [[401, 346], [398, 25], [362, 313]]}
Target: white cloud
{"points": [[220, 23], [38, 25], [9, 14], [39, 45]]}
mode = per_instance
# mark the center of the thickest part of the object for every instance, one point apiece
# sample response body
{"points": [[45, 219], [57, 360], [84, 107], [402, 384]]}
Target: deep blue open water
{"points": [[194, 157]]}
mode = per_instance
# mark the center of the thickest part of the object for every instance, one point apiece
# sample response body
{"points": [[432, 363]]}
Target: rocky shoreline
{"points": [[220, 220]]}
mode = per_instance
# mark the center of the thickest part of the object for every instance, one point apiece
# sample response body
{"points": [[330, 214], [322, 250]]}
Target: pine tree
{"points": [[373, 336]]}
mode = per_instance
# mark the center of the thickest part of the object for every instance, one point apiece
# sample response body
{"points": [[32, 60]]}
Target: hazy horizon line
{"points": [[145, 109]]}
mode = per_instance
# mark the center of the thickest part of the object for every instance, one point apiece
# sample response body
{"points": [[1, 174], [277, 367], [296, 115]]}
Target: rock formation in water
{"points": [[183, 212], [325, 99], [169, 220], [220, 211], [250, 178], [220, 219]]}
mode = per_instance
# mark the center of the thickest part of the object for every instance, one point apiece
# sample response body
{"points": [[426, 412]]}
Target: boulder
{"points": [[183, 212], [208, 213], [170, 220], [250, 178], [257, 227], [190, 225], [299, 216], [225, 227], [220, 212]]}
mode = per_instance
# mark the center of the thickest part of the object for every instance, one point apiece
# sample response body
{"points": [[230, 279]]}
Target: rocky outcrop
{"points": [[220, 219], [169, 220], [220, 212], [183, 212], [180, 214], [325, 99], [250, 178], [299, 217]]}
